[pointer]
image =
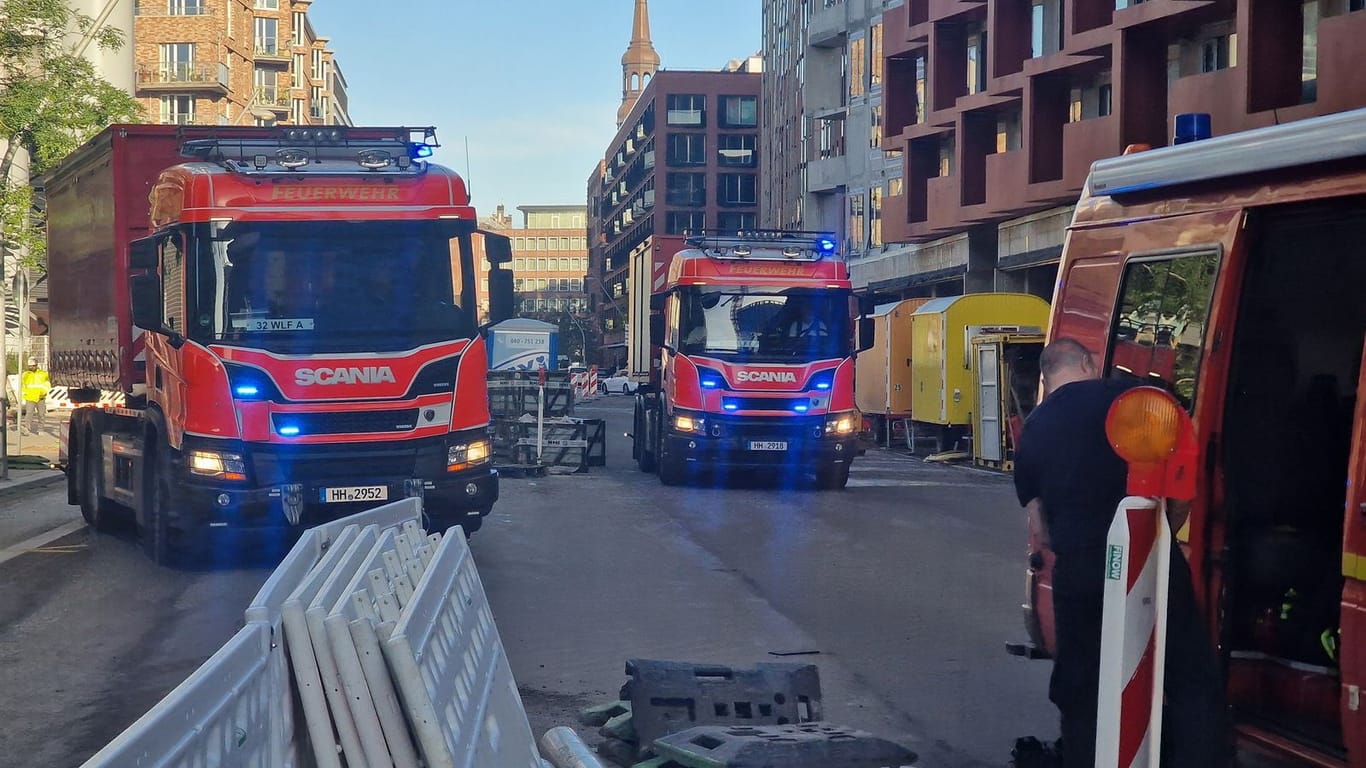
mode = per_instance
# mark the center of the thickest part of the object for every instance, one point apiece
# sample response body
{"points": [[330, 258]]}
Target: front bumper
{"points": [[288, 486], [763, 443]]}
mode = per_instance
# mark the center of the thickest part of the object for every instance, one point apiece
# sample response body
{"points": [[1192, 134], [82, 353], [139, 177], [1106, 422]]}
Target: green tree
{"points": [[51, 101]]}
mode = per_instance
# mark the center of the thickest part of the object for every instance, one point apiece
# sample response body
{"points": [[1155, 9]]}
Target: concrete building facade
{"points": [[235, 62], [998, 109], [684, 159]]}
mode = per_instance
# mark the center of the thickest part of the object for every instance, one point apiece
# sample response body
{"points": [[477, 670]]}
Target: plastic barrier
{"points": [[360, 609], [450, 666], [577, 443], [817, 745], [220, 715]]}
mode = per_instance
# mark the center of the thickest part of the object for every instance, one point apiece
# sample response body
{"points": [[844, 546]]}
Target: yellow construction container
{"points": [[882, 373], [942, 377]]}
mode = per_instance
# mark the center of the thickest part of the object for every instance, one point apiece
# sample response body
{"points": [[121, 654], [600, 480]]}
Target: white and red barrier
{"points": [[1134, 636], [585, 385]]}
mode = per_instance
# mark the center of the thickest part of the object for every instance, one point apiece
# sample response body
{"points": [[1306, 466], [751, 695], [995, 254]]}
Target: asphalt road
{"points": [[903, 589]]}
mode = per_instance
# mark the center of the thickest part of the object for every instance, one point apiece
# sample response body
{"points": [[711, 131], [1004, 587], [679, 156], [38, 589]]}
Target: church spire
{"points": [[639, 63]]}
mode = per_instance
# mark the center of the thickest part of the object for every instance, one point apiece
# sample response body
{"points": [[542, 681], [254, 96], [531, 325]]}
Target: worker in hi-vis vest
{"points": [[33, 387]]}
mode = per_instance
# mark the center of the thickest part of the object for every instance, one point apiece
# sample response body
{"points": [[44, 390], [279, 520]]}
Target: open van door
{"points": [[1352, 644]]}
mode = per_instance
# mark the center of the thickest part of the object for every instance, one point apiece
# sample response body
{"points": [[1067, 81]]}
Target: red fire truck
{"points": [[291, 323], [1229, 271], [745, 356]]}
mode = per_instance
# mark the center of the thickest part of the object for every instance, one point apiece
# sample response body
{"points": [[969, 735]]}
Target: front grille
{"points": [[766, 428], [276, 464], [784, 404], [345, 422]]}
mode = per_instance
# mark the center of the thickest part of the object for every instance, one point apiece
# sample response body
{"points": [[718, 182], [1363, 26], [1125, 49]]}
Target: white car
{"points": [[617, 384]]}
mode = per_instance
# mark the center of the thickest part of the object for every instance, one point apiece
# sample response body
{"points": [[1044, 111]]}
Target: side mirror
{"points": [[656, 329], [866, 305], [497, 248], [143, 254], [502, 298], [145, 295], [867, 327]]}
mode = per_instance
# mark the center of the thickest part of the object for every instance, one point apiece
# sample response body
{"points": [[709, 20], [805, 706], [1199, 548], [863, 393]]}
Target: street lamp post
{"points": [[583, 337]]}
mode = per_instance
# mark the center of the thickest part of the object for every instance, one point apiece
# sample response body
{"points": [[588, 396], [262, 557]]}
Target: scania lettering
{"points": [[311, 341], [742, 347], [781, 377], [307, 377]]}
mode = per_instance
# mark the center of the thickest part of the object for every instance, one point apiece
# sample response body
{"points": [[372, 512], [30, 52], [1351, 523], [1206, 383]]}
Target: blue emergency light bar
{"points": [[766, 244], [312, 150]]}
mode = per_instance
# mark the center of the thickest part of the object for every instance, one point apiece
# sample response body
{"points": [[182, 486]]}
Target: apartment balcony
{"points": [[271, 52], [828, 26], [1142, 14], [274, 99], [895, 227], [649, 160], [1341, 86], [190, 120], [943, 202], [826, 174], [1007, 175], [1083, 143], [184, 77]]}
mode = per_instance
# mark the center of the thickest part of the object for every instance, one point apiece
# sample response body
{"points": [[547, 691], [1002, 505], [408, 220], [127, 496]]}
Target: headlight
{"points": [[466, 455], [691, 423], [225, 466], [837, 424]]}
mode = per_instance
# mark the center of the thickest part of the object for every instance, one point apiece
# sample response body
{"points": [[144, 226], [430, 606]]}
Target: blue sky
{"points": [[533, 84]]}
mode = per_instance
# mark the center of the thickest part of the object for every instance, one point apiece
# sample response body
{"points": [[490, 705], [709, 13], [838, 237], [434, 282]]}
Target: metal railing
{"points": [[187, 73], [267, 96], [172, 8]]}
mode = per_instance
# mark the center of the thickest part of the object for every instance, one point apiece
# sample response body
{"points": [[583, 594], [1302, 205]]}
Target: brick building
{"points": [[998, 109], [235, 62]]}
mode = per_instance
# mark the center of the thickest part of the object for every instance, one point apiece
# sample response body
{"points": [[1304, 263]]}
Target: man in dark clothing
{"points": [[1071, 481]]}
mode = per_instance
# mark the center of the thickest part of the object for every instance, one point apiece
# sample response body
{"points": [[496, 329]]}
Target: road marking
{"points": [[857, 482], [41, 540], [62, 549]]}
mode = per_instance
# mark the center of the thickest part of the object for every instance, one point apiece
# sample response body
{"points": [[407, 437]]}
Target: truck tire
{"points": [[645, 460], [832, 478], [156, 531], [96, 511]]}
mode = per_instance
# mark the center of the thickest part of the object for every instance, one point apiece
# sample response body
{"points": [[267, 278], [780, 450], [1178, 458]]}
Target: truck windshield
{"points": [[328, 286], [759, 325]]}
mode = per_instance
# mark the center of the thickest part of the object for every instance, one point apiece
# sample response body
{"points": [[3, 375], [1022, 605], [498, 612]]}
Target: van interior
{"points": [[1295, 366]]}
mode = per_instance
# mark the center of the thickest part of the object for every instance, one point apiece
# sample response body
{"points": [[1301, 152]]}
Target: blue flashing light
{"points": [[801, 408], [710, 379], [823, 380], [731, 406], [710, 383], [247, 390], [289, 430], [826, 245], [422, 150]]}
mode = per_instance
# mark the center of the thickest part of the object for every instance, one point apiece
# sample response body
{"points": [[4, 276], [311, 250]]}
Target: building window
{"points": [[858, 64], [1091, 98], [946, 151], [875, 217], [564, 284], [519, 265], [177, 62], [185, 7], [735, 222], [1045, 27], [736, 189], [268, 5], [576, 285], [687, 149], [541, 263], [977, 59], [686, 109], [682, 222], [298, 111], [739, 111], [856, 223], [267, 36], [518, 284], [299, 22], [736, 149], [542, 284], [875, 135], [1008, 132], [686, 189], [177, 110], [297, 71], [317, 72], [1218, 53], [830, 138], [921, 91], [878, 65], [1309, 53]]}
